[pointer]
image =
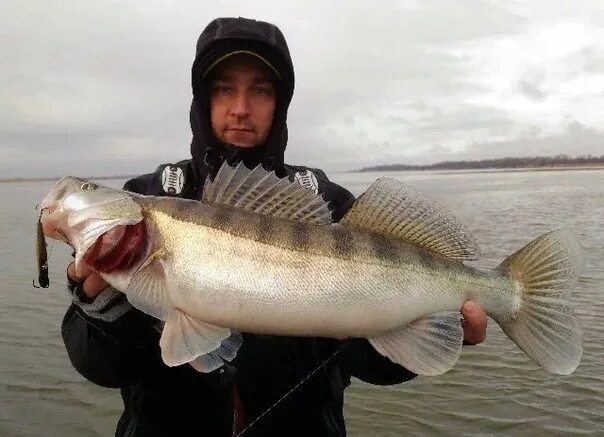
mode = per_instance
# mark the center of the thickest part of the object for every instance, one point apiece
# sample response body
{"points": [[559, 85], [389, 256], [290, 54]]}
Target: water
{"points": [[494, 389]]}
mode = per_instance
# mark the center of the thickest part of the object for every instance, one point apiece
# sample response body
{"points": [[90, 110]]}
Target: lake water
{"points": [[493, 390]]}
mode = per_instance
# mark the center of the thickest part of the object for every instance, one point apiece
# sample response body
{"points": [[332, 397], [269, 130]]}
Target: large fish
{"points": [[260, 254]]}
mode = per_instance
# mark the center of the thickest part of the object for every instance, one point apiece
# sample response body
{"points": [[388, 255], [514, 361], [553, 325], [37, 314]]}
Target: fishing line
{"points": [[295, 387]]}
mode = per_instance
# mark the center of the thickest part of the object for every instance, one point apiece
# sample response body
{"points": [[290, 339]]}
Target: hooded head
{"points": [[221, 41]]}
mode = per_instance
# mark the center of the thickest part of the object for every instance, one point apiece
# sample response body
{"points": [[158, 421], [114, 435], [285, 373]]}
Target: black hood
{"points": [[220, 37]]}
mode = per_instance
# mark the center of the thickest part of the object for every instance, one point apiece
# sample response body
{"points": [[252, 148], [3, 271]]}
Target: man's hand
{"points": [[93, 284], [474, 323]]}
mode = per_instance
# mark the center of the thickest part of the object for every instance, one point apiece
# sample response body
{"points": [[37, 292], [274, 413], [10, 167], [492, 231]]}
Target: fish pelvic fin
{"points": [[545, 326], [226, 352], [184, 339], [428, 346], [396, 209]]}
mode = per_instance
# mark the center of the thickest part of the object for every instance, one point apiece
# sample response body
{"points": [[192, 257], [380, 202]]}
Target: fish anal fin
{"points": [[428, 346], [395, 209]]}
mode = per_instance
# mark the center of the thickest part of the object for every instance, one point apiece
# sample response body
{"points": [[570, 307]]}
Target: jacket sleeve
{"points": [[107, 340], [110, 354], [340, 200], [362, 361]]}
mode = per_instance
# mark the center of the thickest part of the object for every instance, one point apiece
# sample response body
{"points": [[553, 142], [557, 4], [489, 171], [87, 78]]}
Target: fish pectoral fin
{"points": [[428, 346], [395, 209], [185, 338], [147, 288], [217, 358]]}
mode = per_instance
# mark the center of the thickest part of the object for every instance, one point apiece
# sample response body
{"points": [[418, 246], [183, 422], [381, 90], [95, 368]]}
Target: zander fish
{"points": [[261, 254]]}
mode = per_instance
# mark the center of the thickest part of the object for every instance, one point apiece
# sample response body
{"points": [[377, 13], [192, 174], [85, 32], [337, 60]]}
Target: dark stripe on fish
{"points": [[263, 229], [299, 235], [426, 258], [342, 241], [384, 248], [221, 217]]}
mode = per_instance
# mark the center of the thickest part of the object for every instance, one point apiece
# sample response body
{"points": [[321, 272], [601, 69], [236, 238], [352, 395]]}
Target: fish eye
{"points": [[89, 186]]}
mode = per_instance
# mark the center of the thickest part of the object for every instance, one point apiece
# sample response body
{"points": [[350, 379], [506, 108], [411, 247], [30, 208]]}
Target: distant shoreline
{"points": [[525, 163], [481, 170], [378, 169], [52, 179]]}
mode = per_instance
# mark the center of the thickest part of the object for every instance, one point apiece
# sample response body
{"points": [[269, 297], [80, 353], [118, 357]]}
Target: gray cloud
{"points": [[576, 140], [531, 85], [103, 87]]}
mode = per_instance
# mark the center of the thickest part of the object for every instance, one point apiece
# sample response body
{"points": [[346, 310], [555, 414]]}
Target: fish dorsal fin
{"points": [[393, 208], [263, 192]]}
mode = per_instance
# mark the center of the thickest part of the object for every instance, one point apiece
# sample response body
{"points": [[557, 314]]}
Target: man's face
{"points": [[242, 101]]}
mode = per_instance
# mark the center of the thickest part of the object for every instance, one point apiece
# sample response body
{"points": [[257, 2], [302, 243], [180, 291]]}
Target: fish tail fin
{"points": [[545, 326]]}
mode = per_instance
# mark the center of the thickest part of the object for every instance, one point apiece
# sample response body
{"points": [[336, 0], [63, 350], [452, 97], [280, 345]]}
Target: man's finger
{"points": [[73, 273], [93, 285], [474, 323], [82, 271]]}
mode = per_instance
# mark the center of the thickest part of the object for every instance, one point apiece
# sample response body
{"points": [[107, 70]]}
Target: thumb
{"points": [[474, 323]]}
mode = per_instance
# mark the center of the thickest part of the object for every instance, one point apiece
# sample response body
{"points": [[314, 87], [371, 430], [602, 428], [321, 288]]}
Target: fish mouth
{"points": [[118, 249], [49, 217]]}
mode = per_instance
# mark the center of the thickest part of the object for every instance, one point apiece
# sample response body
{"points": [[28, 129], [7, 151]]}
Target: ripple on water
{"points": [[493, 390]]}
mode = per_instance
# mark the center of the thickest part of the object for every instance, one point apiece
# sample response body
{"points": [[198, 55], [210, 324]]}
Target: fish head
{"points": [[88, 216]]}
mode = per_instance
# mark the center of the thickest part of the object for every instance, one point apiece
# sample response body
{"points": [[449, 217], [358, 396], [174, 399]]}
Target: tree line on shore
{"points": [[508, 162]]}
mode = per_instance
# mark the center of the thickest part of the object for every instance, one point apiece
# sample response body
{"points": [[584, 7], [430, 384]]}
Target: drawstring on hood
{"points": [[221, 38]]}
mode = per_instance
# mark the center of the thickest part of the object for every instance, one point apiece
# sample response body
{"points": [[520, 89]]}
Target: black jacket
{"points": [[114, 345], [159, 400]]}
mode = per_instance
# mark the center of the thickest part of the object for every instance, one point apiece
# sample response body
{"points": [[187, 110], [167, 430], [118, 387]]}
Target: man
{"points": [[243, 82]]}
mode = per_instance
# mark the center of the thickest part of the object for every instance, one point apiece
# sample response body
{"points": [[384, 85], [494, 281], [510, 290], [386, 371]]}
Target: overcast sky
{"points": [[102, 87]]}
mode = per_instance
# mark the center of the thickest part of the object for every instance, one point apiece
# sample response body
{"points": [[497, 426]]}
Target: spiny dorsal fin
{"points": [[262, 192], [393, 208]]}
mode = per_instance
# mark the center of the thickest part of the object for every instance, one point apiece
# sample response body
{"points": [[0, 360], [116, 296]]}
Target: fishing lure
{"points": [[42, 256]]}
